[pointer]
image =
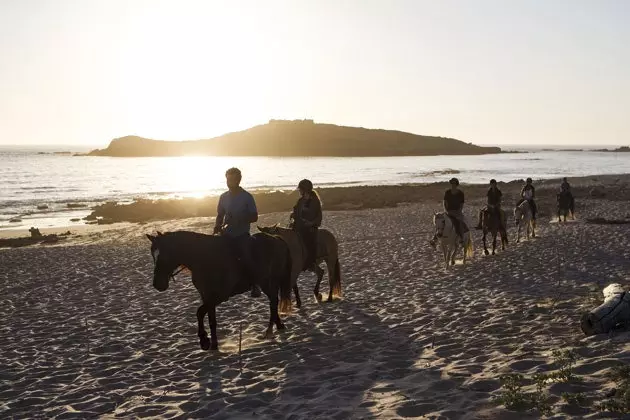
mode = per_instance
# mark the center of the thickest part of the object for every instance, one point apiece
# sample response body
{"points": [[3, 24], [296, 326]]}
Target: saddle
{"points": [[493, 210]]}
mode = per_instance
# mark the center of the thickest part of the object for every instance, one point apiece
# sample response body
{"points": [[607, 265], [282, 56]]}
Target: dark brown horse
{"points": [[491, 222], [217, 275], [565, 204]]}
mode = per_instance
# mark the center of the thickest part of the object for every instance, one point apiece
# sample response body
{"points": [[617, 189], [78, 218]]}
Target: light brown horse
{"points": [[327, 250]]}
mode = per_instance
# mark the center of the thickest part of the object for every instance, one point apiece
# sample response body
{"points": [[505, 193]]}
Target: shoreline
{"points": [[112, 215]]}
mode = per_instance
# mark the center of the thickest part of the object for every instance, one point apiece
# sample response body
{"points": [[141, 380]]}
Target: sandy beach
{"points": [[84, 334]]}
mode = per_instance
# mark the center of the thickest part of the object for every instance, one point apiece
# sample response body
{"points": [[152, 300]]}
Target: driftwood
{"points": [[615, 310]]}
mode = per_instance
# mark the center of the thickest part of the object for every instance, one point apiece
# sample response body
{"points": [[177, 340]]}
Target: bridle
{"points": [[438, 233], [173, 274]]}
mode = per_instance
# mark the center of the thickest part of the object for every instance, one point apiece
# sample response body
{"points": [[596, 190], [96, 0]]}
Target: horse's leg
{"points": [[485, 246], [445, 253], [320, 275], [201, 330], [494, 242], [455, 249], [518, 233], [331, 280], [527, 232], [533, 224], [274, 317], [296, 292], [279, 324], [212, 318]]}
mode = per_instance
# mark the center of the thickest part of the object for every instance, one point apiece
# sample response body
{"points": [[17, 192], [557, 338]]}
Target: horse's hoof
{"points": [[493, 253], [298, 304], [268, 335], [204, 342], [281, 327], [330, 299], [486, 252], [319, 297], [214, 347]]}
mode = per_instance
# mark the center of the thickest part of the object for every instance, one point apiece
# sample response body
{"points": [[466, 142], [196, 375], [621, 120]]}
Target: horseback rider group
{"points": [[454, 203], [236, 211]]}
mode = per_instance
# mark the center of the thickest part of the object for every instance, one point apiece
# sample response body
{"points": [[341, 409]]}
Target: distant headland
{"points": [[617, 150], [298, 138]]}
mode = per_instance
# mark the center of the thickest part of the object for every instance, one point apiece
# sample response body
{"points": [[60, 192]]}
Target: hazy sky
{"points": [[488, 72]]}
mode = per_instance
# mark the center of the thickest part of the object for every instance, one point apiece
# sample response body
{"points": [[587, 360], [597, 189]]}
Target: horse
{"points": [[523, 212], [217, 275], [327, 251], [564, 205], [449, 241], [491, 222]]}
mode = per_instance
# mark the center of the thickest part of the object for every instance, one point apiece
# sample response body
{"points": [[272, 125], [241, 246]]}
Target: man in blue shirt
{"points": [[235, 211]]}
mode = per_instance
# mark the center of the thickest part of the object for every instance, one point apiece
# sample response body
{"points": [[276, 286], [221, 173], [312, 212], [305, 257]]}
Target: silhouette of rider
{"points": [[235, 211]]}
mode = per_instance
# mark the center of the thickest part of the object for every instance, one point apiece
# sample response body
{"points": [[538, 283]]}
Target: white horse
{"points": [[523, 216], [449, 241]]}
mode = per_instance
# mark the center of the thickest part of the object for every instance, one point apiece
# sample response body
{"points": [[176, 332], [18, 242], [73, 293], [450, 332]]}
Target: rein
{"points": [[182, 268]]}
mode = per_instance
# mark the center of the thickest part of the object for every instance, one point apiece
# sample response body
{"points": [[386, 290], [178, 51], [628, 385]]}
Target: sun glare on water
{"points": [[196, 176], [200, 176]]}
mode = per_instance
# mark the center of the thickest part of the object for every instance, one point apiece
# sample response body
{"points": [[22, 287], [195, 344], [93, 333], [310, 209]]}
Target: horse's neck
{"points": [[188, 247], [449, 228]]}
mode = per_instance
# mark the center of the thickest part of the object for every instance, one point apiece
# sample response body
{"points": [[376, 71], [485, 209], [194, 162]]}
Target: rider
{"points": [[306, 218], [454, 204], [493, 203], [565, 188], [528, 192], [235, 211]]}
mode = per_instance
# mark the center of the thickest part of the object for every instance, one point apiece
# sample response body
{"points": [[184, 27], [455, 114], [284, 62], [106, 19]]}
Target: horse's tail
{"points": [[285, 283], [469, 246], [336, 283]]}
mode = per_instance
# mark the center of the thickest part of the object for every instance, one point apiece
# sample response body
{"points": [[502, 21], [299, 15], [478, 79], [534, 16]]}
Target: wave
{"points": [[433, 173]]}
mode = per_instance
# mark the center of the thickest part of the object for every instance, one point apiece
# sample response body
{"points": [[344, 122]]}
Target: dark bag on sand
{"points": [[615, 310]]}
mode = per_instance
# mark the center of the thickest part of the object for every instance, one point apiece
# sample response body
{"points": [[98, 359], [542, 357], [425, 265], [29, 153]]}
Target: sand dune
{"points": [[84, 334]]}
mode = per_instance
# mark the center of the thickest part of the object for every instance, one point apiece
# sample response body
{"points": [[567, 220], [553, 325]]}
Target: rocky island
{"points": [[298, 138]]}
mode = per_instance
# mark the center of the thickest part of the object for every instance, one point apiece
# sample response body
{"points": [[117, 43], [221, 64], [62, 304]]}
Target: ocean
{"points": [[37, 177]]}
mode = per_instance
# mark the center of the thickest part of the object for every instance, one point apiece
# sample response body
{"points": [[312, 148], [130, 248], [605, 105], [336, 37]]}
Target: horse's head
{"points": [[163, 261], [518, 213], [270, 230], [439, 221]]}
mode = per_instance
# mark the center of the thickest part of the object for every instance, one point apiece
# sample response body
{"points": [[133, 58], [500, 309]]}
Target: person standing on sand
{"points": [[306, 218], [235, 211]]}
